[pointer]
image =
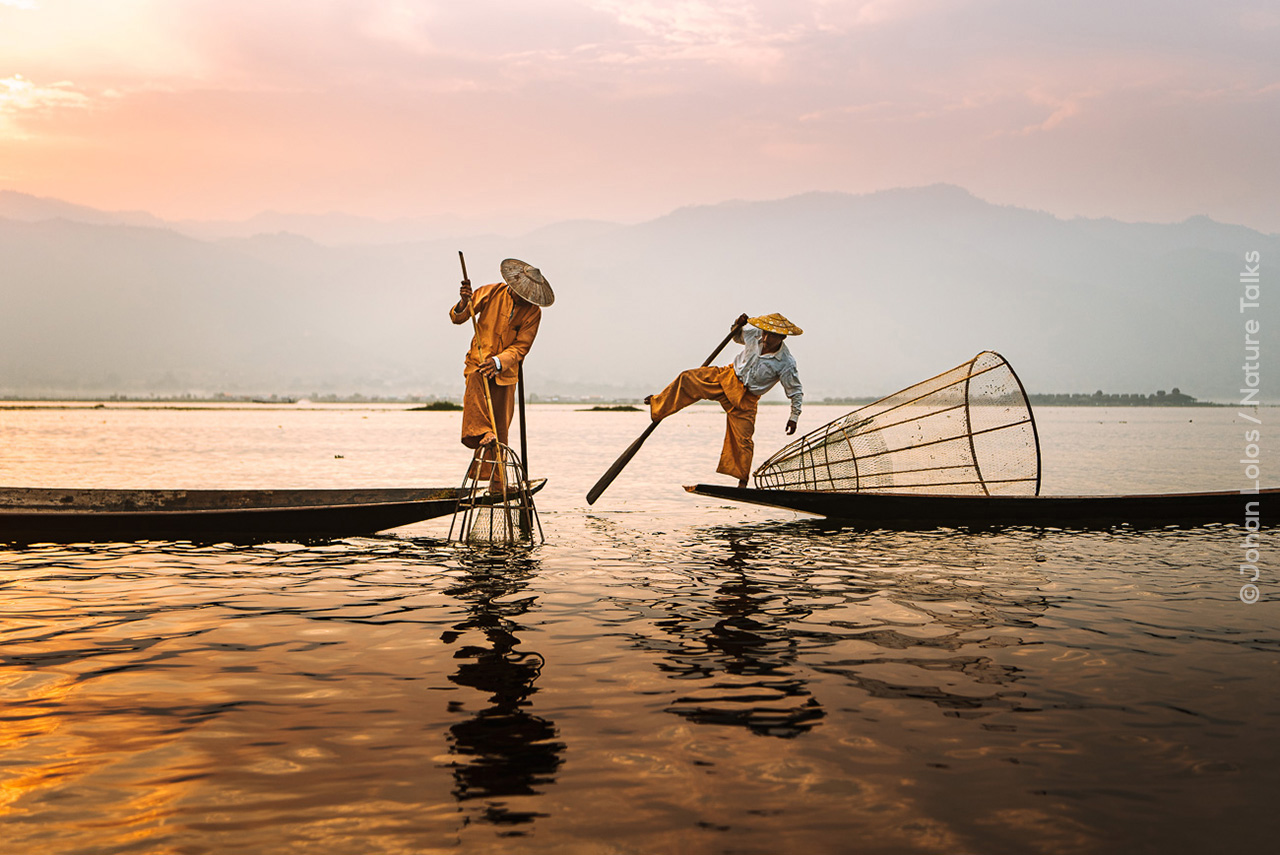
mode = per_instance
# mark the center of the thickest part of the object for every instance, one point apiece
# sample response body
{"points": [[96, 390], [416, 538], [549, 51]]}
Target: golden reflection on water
{"points": [[692, 688], [662, 676]]}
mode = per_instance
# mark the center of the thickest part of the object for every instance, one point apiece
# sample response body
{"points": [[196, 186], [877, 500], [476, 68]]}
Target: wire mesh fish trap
{"points": [[967, 431], [496, 508]]}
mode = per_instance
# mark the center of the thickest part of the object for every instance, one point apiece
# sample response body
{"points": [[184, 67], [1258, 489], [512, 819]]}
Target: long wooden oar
{"points": [[475, 329], [607, 478], [526, 518], [498, 461], [524, 437]]}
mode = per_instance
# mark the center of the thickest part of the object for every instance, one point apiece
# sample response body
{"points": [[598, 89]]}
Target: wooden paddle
{"points": [[526, 519], [488, 399], [607, 478], [524, 437]]}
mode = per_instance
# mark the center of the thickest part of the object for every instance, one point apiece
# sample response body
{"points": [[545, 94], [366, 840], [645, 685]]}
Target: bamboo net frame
{"points": [[504, 516], [967, 431]]}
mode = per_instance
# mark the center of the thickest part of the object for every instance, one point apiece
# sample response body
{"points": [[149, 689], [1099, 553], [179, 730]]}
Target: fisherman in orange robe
{"points": [[507, 317], [764, 361]]}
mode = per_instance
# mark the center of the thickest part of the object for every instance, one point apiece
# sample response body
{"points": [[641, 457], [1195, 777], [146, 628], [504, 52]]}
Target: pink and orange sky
{"points": [[626, 109]]}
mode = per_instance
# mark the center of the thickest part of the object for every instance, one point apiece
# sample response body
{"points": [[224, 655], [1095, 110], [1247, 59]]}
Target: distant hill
{"points": [[890, 288], [335, 228], [27, 208]]}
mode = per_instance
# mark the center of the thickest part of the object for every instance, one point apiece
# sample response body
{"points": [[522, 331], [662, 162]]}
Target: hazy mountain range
{"points": [[890, 287]]}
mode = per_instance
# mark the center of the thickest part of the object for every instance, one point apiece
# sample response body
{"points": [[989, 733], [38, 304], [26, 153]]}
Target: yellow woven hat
{"points": [[775, 323], [528, 282]]}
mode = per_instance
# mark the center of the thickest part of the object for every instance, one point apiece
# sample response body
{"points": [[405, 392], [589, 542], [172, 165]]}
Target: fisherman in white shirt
{"points": [[764, 362]]}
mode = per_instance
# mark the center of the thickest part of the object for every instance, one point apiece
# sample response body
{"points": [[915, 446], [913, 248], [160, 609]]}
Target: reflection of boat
{"points": [[922, 510], [33, 514]]}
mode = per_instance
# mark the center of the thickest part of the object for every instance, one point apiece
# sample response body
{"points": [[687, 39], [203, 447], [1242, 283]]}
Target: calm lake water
{"points": [[666, 673]]}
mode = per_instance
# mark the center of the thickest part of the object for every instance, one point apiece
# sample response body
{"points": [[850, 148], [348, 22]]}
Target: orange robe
{"points": [[504, 330], [716, 384]]}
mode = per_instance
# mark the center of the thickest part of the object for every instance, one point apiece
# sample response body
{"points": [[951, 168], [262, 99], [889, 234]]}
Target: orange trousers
{"points": [[475, 419], [716, 384]]}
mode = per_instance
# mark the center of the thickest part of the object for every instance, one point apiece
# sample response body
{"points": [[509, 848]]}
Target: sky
{"points": [[1151, 110]]}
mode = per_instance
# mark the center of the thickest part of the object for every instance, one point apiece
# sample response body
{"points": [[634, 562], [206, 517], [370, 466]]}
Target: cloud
{"points": [[667, 101], [684, 21], [21, 98], [1060, 110]]}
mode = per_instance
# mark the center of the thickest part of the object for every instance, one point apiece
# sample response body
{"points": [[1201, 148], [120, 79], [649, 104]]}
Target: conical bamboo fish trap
{"points": [[496, 508], [967, 431]]}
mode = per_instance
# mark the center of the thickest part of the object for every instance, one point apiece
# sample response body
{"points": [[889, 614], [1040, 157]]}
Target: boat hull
{"points": [[34, 515], [903, 510]]}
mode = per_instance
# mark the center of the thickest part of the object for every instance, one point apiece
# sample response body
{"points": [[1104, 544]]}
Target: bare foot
{"points": [[488, 439], [742, 484], [648, 399]]}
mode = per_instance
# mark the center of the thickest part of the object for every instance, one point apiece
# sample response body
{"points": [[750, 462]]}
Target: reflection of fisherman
{"points": [[746, 641], [507, 317], [762, 364], [504, 751]]}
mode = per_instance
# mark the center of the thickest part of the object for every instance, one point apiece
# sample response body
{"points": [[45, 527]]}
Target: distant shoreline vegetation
{"points": [[1105, 399], [1161, 398], [448, 406], [1175, 398]]}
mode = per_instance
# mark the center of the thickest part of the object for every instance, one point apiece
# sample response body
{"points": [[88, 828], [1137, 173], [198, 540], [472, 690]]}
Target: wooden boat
{"points": [[35, 515], [912, 511]]}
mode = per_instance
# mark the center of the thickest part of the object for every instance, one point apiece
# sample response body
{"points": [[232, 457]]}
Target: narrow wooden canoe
{"points": [[35, 515], [903, 510]]}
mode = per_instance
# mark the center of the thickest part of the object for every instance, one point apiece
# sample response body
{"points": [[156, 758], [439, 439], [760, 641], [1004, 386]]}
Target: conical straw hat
{"points": [[775, 323], [528, 282]]}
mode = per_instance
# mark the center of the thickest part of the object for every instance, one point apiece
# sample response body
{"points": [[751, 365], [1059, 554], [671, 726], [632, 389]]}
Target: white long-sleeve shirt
{"points": [[760, 372]]}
